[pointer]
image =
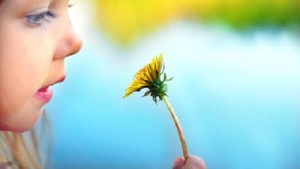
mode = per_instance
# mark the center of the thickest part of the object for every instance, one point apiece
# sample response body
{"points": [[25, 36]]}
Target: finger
{"points": [[179, 162], [196, 161]]}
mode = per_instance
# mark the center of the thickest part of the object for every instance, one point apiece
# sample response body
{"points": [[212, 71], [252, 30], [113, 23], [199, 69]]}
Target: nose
{"points": [[70, 44]]}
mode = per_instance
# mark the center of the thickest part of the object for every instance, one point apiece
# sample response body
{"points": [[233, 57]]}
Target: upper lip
{"points": [[61, 79], [58, 81]]}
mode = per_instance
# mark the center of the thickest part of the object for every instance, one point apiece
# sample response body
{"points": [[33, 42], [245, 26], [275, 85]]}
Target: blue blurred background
{"points": [[236, 86]]}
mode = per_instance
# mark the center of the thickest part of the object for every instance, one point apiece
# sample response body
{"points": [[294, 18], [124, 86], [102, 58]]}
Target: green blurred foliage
{"points": [[128, 20]]}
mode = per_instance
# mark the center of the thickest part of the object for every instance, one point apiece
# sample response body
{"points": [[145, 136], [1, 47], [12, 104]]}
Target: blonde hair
{"points": [[17, 153], [22, 150]]}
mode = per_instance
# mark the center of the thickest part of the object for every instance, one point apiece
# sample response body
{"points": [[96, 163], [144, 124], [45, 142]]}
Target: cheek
{"points": [[24, 66]]}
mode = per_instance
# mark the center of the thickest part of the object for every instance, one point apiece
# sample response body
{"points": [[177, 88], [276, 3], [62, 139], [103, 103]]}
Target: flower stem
{"points": [[178, 126]]}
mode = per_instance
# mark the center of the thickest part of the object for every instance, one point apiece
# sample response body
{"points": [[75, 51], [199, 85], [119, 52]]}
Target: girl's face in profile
{"points": [[35, 38]]}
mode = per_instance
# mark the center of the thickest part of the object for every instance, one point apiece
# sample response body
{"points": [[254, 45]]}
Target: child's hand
{"points": [[193, 162]]}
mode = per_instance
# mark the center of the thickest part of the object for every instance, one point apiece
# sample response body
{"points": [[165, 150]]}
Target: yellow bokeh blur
{"points": [[128, 20]]}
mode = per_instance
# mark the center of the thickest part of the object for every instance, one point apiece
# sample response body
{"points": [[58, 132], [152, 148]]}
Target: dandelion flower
{"points": [[153, 78], [150, 77]]}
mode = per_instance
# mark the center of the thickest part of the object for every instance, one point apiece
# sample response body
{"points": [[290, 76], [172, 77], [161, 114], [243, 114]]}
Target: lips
{"points": [[45, 93], [61, 79], [58, 81]]}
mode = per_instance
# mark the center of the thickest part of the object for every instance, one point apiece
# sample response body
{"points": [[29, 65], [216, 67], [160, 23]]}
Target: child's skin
{"points": [[36, 36], [193, 162]]}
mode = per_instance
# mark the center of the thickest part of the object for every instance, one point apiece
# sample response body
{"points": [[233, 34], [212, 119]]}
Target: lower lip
{"points": [[45, 94]]}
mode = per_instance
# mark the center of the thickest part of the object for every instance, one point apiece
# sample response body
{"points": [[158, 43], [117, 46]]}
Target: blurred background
{"points": [[236, 86]]}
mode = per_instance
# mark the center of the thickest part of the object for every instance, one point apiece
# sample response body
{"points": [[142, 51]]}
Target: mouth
{"points": [[45, 93]]}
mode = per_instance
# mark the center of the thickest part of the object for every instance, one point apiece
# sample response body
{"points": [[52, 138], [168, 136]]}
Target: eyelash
{"points": [[41, 18]]}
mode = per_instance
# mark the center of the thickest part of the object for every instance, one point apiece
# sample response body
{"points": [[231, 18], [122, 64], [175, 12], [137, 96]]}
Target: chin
{"points": [[20, 124], [16, 128]]}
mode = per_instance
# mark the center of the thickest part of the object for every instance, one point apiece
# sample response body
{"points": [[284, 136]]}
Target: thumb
{"points": [[179, 162]]}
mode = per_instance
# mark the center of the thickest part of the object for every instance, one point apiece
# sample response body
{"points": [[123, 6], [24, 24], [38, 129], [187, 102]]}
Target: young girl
{"points": [[36, 37]]}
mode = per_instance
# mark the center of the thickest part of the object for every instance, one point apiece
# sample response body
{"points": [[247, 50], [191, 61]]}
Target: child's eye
{"points": [[41, 18]]}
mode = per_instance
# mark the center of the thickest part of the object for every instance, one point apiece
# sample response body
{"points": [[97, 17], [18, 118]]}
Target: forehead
{"points": [[22, 4], [27, 5]]}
